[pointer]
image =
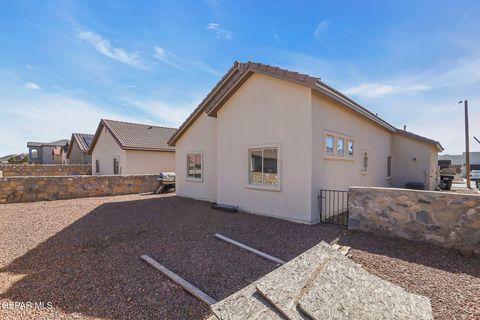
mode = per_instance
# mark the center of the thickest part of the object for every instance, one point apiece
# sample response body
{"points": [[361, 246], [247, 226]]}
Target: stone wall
{"points": [[29, 189], [49, 170], [447, 219]]}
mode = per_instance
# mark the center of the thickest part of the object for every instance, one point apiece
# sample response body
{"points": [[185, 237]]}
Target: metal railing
{"points": [[333, 207]]}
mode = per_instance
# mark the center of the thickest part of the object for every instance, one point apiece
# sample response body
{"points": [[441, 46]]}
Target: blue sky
{"points": [[66, 64]]}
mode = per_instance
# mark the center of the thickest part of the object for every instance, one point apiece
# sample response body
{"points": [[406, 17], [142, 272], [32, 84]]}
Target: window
{"points": [[365, 162], [34, 154], [263, 167], [340, 146], [389, 166], [350, 148], [97, 166], [329, 140], [115, 166], [194, 166]]}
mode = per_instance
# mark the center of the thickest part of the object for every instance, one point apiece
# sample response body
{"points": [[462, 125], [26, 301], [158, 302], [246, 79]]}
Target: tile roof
{"points": [[240, 72], [136, 136], [84, 140]]}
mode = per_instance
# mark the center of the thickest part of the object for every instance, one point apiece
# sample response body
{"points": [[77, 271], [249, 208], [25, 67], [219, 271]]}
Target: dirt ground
{"points": [[82, 256]]}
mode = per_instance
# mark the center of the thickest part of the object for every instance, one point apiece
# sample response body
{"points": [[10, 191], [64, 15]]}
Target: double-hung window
{"points": [[264, 167], [194, 166]]}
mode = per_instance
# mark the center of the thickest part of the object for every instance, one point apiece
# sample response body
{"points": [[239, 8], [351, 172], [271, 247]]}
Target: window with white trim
{"points": [[350, 148], [194, 166], [263, 167], [329, 142], [339, 146]]}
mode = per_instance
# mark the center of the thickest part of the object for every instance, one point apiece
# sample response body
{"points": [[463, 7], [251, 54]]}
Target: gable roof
{"points": [[135, 136], [240, 72], [83, 140]]}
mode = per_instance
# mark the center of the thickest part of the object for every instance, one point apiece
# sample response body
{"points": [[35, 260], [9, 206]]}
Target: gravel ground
{"points": [[82, 255]]}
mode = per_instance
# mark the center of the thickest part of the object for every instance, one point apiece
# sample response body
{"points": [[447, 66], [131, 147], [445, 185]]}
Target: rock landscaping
{"points": [[83, 256], [37, 170], [30, 189], [450, 220]]}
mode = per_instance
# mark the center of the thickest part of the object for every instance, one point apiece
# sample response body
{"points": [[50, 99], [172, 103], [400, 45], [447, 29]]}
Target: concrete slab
{"points": [[283, 286], [346, 291], [245, 304]]}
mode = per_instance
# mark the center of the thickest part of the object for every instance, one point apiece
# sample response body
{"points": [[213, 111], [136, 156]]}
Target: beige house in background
{"points": [[131, 148], [77, 152], [268, 140]]}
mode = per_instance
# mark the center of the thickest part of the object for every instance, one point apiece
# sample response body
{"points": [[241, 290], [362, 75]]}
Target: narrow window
{"points": [[97, 166], [115, 166], [389, 166], [365, 162], [194, 166], [263, 166], [341, 146], [350, 148], [329, 141]]}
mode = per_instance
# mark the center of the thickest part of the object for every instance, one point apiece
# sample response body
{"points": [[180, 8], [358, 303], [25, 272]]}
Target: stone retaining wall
{"points": [[447, 219], [14, 170], [29, 189]]}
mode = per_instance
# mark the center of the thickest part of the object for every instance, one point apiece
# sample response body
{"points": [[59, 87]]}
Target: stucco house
{"points": [[46, 152], [77, 152], [131, 148], [267, 140]]}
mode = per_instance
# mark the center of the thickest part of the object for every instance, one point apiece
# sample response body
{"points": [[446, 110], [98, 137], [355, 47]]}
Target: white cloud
{"points": [[47, 117], [376, 90], [103, 46], [180, 63], [321, 29], [32, 86], [220, 33]]}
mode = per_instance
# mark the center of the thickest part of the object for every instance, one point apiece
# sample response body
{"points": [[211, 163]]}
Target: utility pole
{"points": [[467, 145]]}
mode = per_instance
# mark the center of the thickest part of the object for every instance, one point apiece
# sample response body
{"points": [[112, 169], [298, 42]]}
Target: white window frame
{"points": [[193, 179], [336, 137], [265, 187], [353, 148]]}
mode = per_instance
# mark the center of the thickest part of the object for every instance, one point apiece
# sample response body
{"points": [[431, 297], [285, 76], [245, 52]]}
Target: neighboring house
{"points": [[268, 140], [459, 159], [77, 152], [131, 148], [43, 152]]}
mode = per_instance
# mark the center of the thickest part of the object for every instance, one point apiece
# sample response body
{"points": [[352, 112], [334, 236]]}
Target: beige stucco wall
{"points": [[105, 150], [330, 116], [149, 162], [266, 111], [405, 169], [77, 156], [200, 137]]}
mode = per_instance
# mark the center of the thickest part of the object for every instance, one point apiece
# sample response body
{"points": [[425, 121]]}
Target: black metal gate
{"points": [[333, 207]]}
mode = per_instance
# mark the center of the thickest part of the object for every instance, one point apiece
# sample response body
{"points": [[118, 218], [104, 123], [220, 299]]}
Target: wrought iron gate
{"points": [[333, 207]]}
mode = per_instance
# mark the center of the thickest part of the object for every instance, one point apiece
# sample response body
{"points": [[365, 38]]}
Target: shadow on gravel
{"points": [[93, 268]]}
